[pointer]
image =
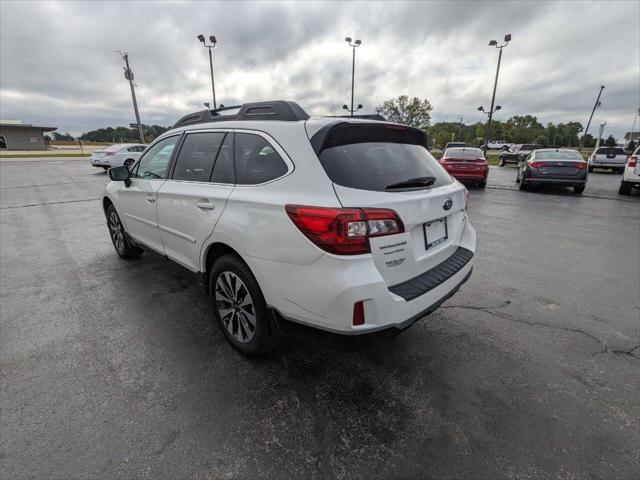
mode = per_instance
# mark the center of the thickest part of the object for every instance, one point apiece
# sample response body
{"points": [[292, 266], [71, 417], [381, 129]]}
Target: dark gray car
{"points": [[553, 167]]}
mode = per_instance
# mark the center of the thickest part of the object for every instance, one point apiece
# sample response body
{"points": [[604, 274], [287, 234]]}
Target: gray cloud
{"points": [[561, 52]]}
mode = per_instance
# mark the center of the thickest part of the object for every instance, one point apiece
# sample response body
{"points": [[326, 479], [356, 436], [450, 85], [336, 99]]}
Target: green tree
{"points": [[59, 136], [610, 141], [407, 111], [632, 146]]}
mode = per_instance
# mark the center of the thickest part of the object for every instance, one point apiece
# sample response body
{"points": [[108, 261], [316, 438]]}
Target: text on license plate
{"points": [[435, 232]]}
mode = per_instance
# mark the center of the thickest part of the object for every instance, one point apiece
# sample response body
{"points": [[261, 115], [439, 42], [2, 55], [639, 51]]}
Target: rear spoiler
{"points": [[346, 133]]}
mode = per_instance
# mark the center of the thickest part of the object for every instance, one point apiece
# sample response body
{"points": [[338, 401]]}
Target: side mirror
{"points": [[120, 174]]}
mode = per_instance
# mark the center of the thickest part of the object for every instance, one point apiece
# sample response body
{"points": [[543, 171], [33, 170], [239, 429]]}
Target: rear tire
{"points": [[119, 237], [105, 168], [501, 162], [590, 168], [578, 189], [128, 162], [625, 188], [619, 170], [482, 184], [239, 306]]}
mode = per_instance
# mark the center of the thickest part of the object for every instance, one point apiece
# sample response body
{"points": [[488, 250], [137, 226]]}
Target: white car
{"points": [[499, 145], [614, 158], [117, 155], [345, 225], [631, 174]]}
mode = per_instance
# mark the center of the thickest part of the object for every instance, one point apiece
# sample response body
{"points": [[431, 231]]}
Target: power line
{"points": [[61, 44]]}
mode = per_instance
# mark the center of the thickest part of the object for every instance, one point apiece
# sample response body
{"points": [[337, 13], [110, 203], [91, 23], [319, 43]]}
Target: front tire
{"points": [[128, 162], [119, 237], [578, 189], [625, 188], [239, 306], [501, 162]]}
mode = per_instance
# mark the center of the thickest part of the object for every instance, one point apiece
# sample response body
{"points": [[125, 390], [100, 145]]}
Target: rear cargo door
{"points": [[387, 166]]}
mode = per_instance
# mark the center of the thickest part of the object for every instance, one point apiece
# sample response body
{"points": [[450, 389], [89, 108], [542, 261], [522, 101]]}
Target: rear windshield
{"points": [[610, 151], [455, 144], [560, 155], [372, 157], [464, 153], [112, 148], [529, 147]]}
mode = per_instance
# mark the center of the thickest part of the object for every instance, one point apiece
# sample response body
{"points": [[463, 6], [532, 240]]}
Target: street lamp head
{"points": [[201, 38], [357, 43], [347, 39], [493, 43], [498, 107], [344, 107], [359, 106], [206, 104], [481, 108], [212, 39], [507, 37]]}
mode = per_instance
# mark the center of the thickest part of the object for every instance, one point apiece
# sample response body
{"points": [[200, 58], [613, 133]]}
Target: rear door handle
{"points": [[205, 205], [150, 198]]}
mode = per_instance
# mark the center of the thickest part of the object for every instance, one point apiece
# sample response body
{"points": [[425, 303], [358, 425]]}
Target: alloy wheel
{"points": [[117, 232], [235, 307]]}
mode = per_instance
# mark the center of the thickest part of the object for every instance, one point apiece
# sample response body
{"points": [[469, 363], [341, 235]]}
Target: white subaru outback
{"points": [[341, 224]]}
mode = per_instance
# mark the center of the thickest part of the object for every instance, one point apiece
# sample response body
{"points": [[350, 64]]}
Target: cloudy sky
{"points": [[59, 63]]}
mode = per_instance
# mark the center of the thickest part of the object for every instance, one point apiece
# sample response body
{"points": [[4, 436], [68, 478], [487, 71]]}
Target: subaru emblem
{"points": [[448, 203]]}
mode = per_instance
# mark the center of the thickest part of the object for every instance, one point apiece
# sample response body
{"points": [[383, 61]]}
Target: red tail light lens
{"points": [[344, 231], [358, 313], [631, 161], [581, 165], [537, 164]]}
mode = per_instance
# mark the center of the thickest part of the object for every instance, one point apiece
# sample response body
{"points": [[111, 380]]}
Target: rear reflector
{"points": [[344, 231], [358, 313]]}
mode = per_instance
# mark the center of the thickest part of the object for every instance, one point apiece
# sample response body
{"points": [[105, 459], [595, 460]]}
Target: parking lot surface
{"points": [[115, 369]]}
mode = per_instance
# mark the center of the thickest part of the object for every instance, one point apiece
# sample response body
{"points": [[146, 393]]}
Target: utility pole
{"points": [[595, 105], [128, 74]]}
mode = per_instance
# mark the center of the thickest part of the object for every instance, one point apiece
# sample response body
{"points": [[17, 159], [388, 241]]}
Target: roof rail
{"points": [[274, 110]]}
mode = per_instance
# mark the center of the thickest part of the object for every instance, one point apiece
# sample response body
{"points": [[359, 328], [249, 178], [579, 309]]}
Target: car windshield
{"points": [[558, 155], [463, 153]]}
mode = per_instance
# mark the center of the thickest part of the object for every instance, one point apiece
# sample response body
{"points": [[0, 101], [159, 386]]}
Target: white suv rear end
{"points": [[631, 174], [345, 225]]}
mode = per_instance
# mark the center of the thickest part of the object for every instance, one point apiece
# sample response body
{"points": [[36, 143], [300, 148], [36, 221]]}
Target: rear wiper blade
{"points": [[419, 182]]}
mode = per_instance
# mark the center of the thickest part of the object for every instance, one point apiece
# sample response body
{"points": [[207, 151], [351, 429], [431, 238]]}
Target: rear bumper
{"points": [[573, 180], [322, 294], [607, 164], [470, 177], [630, 176]]}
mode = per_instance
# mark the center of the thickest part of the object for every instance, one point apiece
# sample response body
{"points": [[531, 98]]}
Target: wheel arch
{"points": [[212, 253]]}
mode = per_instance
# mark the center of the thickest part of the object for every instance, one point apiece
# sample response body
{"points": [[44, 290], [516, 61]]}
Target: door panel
{"points": [[138, 208], [187, 215]]}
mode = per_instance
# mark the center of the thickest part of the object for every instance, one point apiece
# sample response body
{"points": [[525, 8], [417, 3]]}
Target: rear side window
{"points": [[354, 158], [197, 156], [154, 163], [256, 160]]}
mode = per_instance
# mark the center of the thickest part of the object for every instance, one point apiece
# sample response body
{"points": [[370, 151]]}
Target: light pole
{"points": [[213, 41], [490, 114], [493, 43], [595, 105], [355, 44]]}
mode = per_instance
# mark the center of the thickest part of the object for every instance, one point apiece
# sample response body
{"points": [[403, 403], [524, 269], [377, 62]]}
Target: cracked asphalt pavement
{"points": [[115, 369]]}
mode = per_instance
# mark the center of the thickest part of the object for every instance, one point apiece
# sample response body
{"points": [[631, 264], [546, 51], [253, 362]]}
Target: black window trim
{"points": [[153, 144], [276, 145], [184, 133]]}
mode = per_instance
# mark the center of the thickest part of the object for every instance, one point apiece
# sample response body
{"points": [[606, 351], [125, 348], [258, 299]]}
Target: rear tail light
{"points": [[358, 313], [581, 165], [631, 161], [538, 164], [344, 231]]}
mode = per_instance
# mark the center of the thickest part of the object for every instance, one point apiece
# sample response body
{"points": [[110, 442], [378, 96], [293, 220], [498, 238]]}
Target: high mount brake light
{"points": [[344, 231]]}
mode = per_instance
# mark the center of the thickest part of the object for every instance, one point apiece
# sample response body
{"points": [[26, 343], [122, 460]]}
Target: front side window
{"points": [[154, 164], [197, 156], [256, 160]]}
